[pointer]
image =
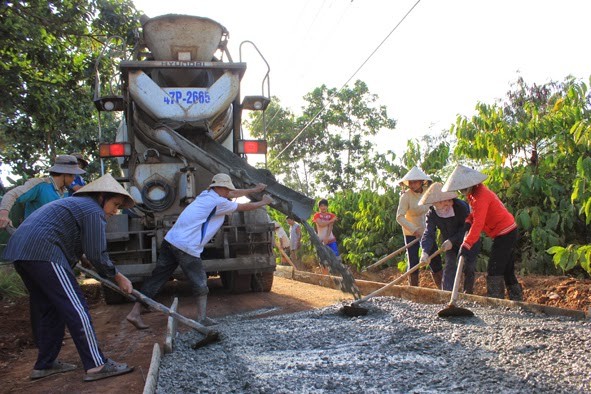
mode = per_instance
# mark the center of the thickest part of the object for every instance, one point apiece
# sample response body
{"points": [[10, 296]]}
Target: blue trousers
{"points": [[58, 302], [169, 259]]}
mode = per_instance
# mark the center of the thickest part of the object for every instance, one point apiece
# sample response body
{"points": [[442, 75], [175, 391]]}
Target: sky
{"points": [[442, 59]]}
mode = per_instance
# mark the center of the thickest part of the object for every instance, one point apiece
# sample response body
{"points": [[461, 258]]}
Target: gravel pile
{"points": [[399, 347]]}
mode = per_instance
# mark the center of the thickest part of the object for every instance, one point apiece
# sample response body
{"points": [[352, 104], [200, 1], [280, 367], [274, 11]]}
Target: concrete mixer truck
{"points": [[181, 124]]}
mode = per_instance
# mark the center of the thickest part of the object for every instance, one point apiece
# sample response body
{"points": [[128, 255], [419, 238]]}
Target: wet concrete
{"points": [[399, 347]]}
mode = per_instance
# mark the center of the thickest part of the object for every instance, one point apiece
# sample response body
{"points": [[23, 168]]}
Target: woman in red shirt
{"points": [[488, 214]]}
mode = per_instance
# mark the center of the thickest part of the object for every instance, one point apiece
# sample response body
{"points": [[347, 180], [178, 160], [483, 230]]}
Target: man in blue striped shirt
{"points": [[183, 244], [44, 249]]}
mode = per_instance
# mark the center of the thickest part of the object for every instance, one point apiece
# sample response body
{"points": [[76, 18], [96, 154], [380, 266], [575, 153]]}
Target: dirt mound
{"points": [[557, 291]]}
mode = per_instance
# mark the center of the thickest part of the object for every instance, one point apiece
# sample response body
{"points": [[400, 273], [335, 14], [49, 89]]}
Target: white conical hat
{"points": [[415, 174], [434, 194], [107, 184], [463, 177]]}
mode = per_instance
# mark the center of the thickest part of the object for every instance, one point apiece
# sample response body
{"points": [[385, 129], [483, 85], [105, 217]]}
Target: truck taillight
{"points": [[252, 146], [118, 149]]}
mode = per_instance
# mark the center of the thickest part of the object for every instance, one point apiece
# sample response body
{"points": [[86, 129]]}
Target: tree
{"points": [[530, 146], [47, 55], [331, 149]]}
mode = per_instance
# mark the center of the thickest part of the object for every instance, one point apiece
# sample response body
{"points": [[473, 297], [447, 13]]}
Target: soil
{"points": [[122, 342]]}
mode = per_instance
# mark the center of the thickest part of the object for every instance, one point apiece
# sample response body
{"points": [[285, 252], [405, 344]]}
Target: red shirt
{"points": [[487, 214]]}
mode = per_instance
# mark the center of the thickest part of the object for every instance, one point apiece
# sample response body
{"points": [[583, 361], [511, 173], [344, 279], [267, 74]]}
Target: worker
{"points": [[37, 192], [488, 215], [281, 241], [183, 244], [78, 180], [295, 241], [411, 216], [44, 250], [448, 215]]}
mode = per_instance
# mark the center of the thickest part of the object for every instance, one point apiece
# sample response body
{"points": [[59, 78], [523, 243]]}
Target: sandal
{"points": [[56, 367], [111, 368]]}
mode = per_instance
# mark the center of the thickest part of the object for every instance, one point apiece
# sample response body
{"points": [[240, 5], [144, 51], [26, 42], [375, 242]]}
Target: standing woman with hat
{"points": [[44, 250], [448, 215], [184, 242], [488, 215], [411, 216], [37, 192]]}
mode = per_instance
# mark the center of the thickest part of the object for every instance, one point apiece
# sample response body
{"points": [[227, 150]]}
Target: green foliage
{"points": [[332, 151], [47, 56], [529, 147], [367, 229]]}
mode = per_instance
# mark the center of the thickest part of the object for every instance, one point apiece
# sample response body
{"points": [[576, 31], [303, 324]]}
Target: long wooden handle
{"points": [[388, 257], [456, 289], [397, 280], [284, 254], [139, 297]]}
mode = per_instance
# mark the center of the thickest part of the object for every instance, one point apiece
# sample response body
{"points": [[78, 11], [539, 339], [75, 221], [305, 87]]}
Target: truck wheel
{"points": [[112, 297], [235, 282], [262, 282]]}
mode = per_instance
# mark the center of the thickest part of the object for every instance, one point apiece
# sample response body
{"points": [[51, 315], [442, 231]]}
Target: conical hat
{"points": [[415, 174], [462, 178], [107, 184], [434, 194]]}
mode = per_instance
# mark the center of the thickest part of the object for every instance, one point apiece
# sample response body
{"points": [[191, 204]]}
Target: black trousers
{"points": [[502, 260]]}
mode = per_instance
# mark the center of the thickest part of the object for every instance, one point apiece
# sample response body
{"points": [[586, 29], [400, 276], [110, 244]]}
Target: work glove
{"points": [[447, 245], [424, 258]]}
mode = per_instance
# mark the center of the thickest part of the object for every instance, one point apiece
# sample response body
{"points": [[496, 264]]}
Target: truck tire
{"points": [[112, 297], [262, 282], [236, 283]]}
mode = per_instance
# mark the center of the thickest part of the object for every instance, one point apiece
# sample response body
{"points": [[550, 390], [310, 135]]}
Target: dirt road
{"points": [[122, 342]]}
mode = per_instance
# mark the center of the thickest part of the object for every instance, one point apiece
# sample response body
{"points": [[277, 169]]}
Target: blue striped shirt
{"points": [[61, 231]]}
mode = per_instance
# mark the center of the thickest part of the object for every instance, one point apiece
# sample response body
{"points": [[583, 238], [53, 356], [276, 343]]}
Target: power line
{"points": [[345, 84]]}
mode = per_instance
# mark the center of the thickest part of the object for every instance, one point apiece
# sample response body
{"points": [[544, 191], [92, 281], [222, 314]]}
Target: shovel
{"points": [[451, 310], [355, 310], [388, 257], [210, 335], [285, 256]]}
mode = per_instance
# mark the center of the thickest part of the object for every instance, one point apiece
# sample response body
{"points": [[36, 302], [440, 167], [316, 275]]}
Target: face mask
{"points": [[446, 212]]}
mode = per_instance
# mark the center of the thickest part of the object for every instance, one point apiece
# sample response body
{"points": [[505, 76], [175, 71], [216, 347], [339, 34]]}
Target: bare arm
{"points": [[245, 192], [249, 206]]}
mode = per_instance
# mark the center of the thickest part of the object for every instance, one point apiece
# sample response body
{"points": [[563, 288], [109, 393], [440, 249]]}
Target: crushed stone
{"points": [[399, 347]]}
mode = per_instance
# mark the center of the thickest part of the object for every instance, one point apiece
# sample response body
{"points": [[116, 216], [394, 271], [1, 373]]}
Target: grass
{"points": [[11, 285]]}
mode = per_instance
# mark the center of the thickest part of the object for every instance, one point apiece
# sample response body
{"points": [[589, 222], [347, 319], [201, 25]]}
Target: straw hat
{"points": [[107, 184], [222, 180], [66, 164], [434, 194], [80, 159], [415, 174], [463, 177]]}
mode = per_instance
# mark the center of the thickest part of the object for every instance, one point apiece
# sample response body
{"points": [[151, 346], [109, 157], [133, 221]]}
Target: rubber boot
{"points": [[469, 283], [495, 286], [437, 277], [413, 279], [201, 311], [515, 292]]}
